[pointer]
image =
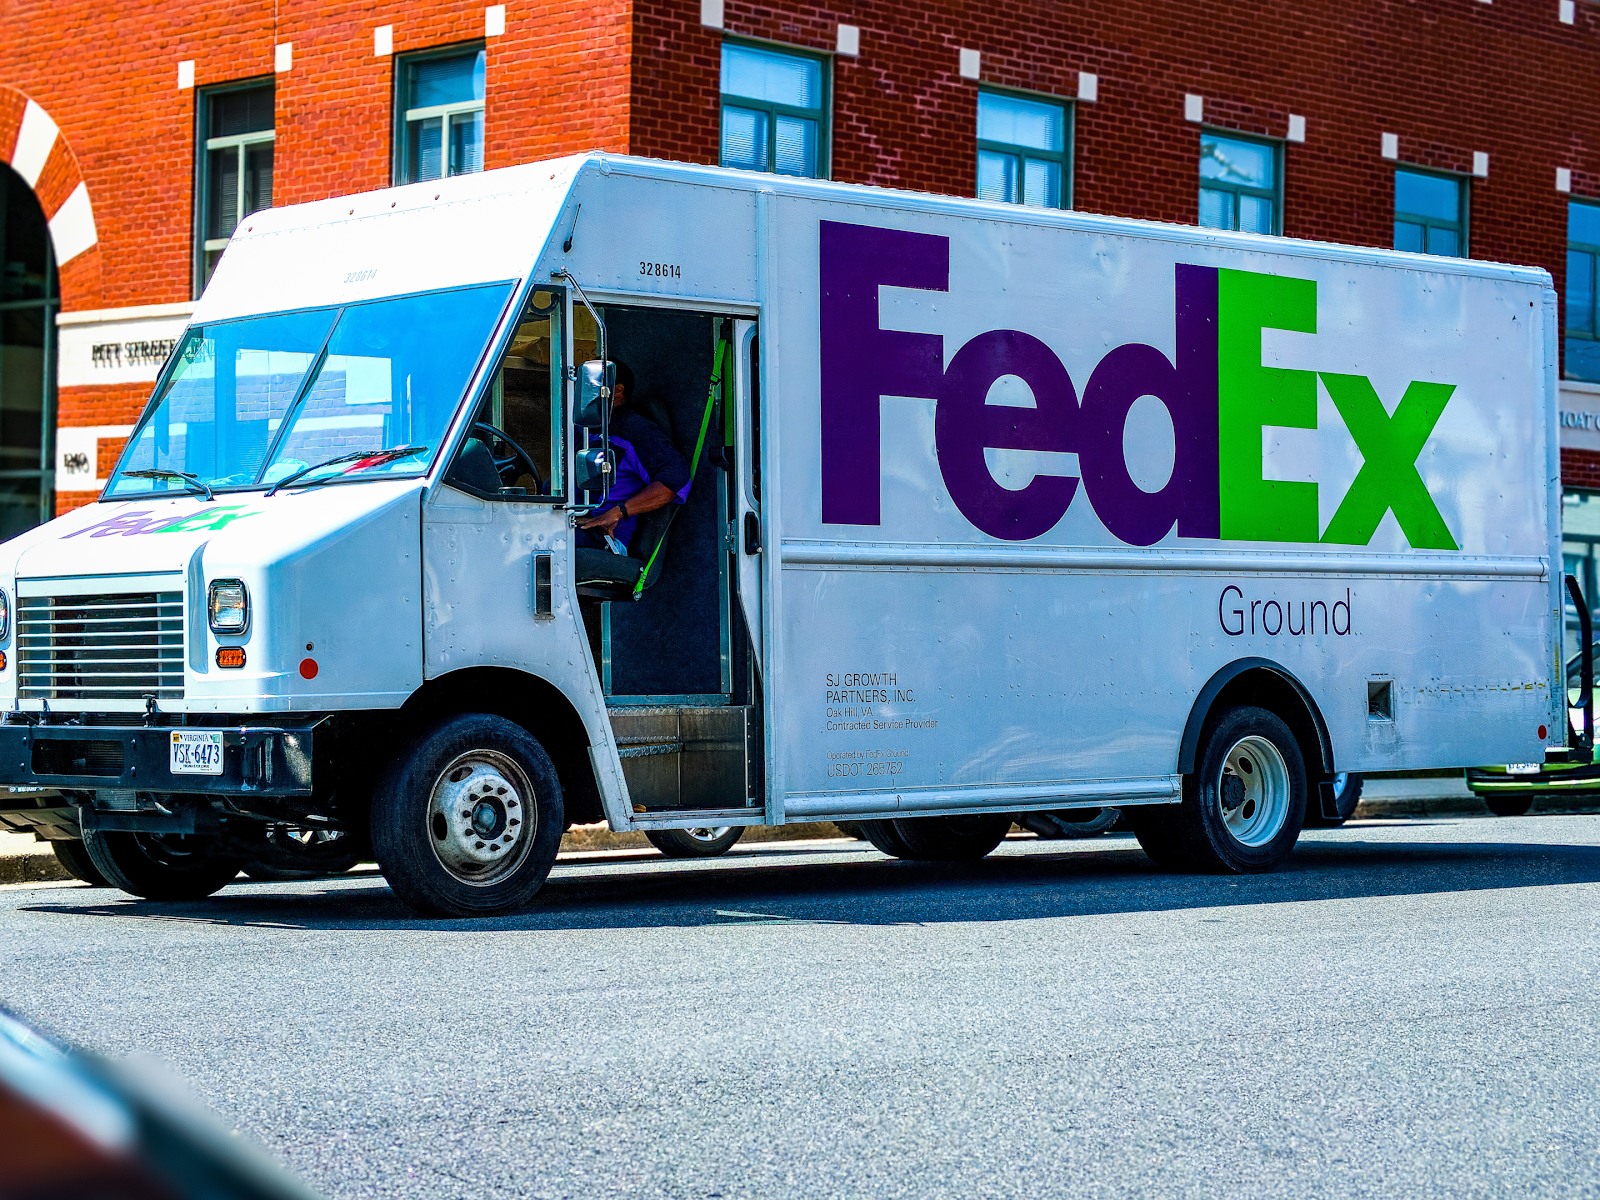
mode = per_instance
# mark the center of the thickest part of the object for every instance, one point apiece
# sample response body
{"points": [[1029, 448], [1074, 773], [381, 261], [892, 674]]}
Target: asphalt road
{"points": [[1410, 1010]]}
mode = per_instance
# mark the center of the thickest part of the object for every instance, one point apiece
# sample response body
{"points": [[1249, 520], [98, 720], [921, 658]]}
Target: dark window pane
{"points": [[1444, 241], [258, 177], [1230, 160], [455, 80], [466, 142], [1427, 196], [425, 149], [1583, 223], [744, 138], [1408, 236], [1582, 360], [1580, 292], [248, 110], [1041, 183], [797, 147], [1216, 208], [768, 75], [997, 176], [1255, 214], [1035, 124], [23, 237], [222, 200]]}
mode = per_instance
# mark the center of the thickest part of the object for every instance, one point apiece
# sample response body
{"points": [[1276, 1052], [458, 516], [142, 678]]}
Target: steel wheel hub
{"points": [[481, 817], [1253, 791], [708, 834]]}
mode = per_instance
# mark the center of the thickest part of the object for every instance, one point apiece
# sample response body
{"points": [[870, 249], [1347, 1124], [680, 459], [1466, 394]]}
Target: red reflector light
{"points": [[230, 656], [1541, 731], [308, 668]]}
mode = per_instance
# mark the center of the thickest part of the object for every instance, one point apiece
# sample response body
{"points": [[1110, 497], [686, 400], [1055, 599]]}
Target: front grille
{"points": [[111, 647]]}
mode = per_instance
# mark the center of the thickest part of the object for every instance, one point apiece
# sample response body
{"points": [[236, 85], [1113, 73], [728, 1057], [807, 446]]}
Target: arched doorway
{"points": [[29, 297]]}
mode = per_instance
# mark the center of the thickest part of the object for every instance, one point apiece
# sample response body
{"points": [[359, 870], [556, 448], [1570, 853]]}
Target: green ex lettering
{"points": [[1250, 395]]}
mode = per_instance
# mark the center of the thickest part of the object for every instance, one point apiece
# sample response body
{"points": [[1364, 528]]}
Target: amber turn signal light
{"points": [[230, 656], [2, 660]]}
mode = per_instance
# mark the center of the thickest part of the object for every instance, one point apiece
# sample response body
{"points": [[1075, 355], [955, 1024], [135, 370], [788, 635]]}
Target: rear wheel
{"points": [[75, 860], [1509, 805], [884, 836], [1244, 805], [292, 853], [1346, 795], [466, 822], [706, 842], [952, 839], [161, 866]]}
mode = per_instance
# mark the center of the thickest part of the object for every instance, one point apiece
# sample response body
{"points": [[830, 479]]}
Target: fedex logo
{"points": [[1216, 389]]}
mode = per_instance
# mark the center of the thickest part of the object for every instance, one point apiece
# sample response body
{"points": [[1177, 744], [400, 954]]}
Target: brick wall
{"points": [[1449, 77]]}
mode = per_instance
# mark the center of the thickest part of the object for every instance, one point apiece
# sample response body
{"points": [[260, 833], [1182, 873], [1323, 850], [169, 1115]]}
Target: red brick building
{"points": [[115, 122]]}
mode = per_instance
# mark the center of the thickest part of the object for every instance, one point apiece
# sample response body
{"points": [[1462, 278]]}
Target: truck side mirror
{"points": [[594, 470], [595, 380]]}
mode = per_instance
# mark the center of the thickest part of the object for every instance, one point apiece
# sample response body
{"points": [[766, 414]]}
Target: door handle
{"points": [[752, 533]]}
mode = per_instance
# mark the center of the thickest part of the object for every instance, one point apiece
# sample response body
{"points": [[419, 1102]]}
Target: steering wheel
{"points": [[517, 456]]}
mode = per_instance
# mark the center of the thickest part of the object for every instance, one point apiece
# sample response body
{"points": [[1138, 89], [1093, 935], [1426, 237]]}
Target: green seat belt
{"points": [[712, 394]]}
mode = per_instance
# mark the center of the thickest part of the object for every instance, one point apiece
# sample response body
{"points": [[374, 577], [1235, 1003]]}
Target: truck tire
{"points": [[75, 860], [291, 854], [885, 837], [706, 842], [952, 839], [467, 821], [161, 866], [1513, 804], [1242, 808]]}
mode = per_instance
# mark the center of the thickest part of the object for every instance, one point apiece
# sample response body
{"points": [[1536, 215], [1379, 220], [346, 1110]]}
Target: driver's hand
{"points": [[606, 522]]}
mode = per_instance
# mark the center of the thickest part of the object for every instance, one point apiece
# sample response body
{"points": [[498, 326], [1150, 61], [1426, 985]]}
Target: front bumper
{"points": [[1553, 779], [257, 760]]}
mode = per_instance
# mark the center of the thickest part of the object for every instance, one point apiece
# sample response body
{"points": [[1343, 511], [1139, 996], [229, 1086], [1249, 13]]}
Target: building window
{"points": [[774, 111], [1023, 151], [1583, 330], [1241, 183], [235, 167], [440, 114], [1430, 214]]}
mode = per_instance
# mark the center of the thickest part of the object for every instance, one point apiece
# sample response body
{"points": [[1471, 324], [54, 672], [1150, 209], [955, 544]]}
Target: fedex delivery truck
{"points": [[993, 509]]}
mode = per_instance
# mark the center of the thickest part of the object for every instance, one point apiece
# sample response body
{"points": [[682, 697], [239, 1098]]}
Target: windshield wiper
{"points": [[377, 456], [193, 482]]}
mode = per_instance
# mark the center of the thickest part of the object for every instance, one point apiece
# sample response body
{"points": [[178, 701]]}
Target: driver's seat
{"points": [[603, 575], [474, 468]]}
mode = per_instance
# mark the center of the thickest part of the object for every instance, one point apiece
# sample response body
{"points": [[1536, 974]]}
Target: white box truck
{"points": [[994, 509]]}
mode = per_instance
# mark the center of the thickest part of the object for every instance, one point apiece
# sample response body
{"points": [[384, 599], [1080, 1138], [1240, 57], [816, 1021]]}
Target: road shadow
{"points": [[875, 892]]}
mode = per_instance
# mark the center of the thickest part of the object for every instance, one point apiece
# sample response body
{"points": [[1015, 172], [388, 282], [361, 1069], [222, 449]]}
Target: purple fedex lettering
{"points": [[1189, 390], [123, 523], [861, 362], [966, 424]]}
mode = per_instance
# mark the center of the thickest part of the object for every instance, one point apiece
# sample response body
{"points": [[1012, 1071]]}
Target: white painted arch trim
{"points": [[72, 226]]}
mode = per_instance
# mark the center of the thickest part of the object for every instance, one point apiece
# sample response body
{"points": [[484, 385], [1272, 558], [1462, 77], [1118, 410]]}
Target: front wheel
{"points": [[161, 866], [466, 822], [1244, 805], [705, 842]]}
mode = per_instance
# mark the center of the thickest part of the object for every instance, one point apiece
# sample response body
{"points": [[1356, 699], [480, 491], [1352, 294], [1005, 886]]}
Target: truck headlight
{"points": [[5, 614], [229, 606]]}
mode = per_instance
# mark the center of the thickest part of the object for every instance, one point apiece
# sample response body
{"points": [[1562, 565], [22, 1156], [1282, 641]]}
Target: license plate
{"points": [[196, 752], [1524, 768]]}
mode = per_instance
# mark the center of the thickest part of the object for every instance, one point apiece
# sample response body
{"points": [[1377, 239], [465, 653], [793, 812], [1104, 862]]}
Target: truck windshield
{"points": [[252, 401]]}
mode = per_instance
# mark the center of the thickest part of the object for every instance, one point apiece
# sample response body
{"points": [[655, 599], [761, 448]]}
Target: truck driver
{"points": [[650, 474]]}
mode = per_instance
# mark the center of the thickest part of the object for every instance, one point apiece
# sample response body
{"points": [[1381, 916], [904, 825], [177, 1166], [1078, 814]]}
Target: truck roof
{"points": [[495, 225]]}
